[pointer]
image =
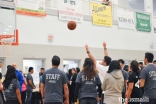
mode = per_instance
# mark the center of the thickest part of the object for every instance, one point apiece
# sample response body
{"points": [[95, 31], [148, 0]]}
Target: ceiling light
{"points": [[6, 29], [9, 26], [4, 32]]}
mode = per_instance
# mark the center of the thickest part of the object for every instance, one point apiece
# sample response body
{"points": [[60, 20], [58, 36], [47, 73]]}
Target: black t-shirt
{"points": [[134, 78]]}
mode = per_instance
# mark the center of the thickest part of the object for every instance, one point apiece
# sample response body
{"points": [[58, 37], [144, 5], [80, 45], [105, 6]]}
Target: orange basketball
{"points": [[71, 25]]}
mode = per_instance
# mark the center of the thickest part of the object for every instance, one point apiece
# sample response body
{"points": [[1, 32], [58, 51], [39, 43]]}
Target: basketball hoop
{"points": [[6, 42]]}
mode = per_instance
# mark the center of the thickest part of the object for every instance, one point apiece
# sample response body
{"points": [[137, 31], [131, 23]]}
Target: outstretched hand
{"points": [[104, 44], [87, 48]]}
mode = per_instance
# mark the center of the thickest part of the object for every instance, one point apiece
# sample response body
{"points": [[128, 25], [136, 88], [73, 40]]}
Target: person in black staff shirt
{"points": [[72, 85], [11, 87], [86, 83], [134, 91], [54, 81], [148, 79], [1, 88]]}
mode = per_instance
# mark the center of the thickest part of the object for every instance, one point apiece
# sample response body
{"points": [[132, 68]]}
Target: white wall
{"points": [[36, 64], [34, 30]]}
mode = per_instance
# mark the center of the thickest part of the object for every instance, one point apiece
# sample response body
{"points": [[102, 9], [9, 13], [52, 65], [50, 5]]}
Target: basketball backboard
{"points": [[8, 24]]}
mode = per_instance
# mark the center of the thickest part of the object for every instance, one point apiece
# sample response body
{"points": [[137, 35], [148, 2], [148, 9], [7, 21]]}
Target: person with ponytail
{"points": [[11, 87], [134, 91]]}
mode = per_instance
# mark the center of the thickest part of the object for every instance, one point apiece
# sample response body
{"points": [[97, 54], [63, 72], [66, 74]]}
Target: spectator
{"points": [[41, 75], [106, 2], [113, 84], [86, 83], [11, 87], [77, 70], [134, 91], [141, 66], [148, 79], [24, 89], [72, 85], [30, 85], [53, 83], [126, 68], [154, 62], [1, 93], [125, 75], [19, 76]]}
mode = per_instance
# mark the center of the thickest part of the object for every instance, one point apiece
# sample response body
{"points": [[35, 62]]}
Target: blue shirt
{"points": [[20, 79]]}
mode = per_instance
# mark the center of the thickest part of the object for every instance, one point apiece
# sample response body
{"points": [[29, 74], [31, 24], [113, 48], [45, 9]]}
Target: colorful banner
{"points": [[155, 24], [70, 10], [101, 14], [30, 7], [125, 19], [143, 22]]}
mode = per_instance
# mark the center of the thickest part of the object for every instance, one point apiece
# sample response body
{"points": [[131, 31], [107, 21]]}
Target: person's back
{"points": [[114, 84], [54, 79], [10, 92], [88, 87], [150, 80]]}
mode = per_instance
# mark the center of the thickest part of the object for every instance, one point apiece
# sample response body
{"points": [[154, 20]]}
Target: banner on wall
{"points": [[101, 14], [155, 24], [31, 7], [143, 22], [70, 10], [125, 19]]}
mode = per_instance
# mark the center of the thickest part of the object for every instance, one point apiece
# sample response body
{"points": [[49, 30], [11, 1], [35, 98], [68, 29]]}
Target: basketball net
{"points": [[6, 43]]}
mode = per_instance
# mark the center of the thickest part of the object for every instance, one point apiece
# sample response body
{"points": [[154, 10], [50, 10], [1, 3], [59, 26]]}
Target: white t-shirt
{"points": [[102, 71]]}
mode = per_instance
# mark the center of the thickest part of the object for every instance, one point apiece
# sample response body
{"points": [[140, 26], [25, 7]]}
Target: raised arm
{"points": [[90, 55], [105, 49]]}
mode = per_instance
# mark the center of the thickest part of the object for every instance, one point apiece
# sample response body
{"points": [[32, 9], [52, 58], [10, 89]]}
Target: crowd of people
{"points": [[107, 82]]}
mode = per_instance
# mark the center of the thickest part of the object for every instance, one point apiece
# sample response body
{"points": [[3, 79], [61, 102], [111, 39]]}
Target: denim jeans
{"points": [[29, 94]]}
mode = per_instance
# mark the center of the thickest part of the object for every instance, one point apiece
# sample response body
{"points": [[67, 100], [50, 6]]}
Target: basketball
{"points": [[71, 25]]}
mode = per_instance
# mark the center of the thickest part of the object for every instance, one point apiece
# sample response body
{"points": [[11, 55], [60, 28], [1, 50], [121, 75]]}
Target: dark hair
{"points": [[73, 69], [107, 59], [114, 66], [10, 74], [141, 63], [126, 68], [122, 61], [20, 71], [42, 68], [30, 69], [56, 60], [89, 69], [149, 57], [154, 61], [77, 69], [69, 71], [135, 66]]}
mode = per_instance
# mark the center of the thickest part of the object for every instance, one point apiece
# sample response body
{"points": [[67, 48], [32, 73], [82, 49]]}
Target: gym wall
{"points": [[34, 44]]}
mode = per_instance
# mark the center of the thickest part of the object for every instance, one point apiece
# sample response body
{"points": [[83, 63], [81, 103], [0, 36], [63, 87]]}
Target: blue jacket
{"points": [[20, 79]]}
